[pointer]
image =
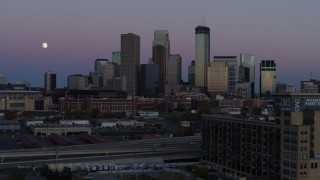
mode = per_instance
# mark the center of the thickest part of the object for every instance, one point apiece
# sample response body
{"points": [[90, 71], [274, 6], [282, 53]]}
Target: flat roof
{"points": [[236, 118]]}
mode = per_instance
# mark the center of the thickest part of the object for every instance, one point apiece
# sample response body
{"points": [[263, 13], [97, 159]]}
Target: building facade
{"points": [[202, 55], [100, 64], [130, 61], [311, 86], [267, 77], [149, 80], [239, 146], [116, 57], [173, 84], [191, 73], [174, 69], [50, 81], [218, 77], [3, 79], [248, 62], [285, 88], [232, 70], [15, 100], [244, 89], [77, 81], [299, 117], [107, 75], [160, 56]]}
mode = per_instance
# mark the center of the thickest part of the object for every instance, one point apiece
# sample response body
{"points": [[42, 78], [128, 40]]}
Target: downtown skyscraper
{"points": [[160, 56], [191, 73], [248, 74], [267, 77], [50, 81], [130, 61], [232, 70], [202, 55]]}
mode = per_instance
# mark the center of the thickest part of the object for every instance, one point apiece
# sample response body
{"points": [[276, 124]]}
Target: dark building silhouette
{"points": [[245, 147], [130, 61], [202, 55], [191, 73], [50, 81], [149, 80], [160, 56]]}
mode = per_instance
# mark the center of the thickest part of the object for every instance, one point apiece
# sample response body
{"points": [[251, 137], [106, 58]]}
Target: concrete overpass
{"points": [[168, 148]]}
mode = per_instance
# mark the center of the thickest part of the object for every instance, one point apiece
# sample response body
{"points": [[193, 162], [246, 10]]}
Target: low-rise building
{"points": [[108, 124], [299, 117], [82, 122], [249, 148], [33, 122], [9, 126], [18, 100], [148, 113], [58, 129]]}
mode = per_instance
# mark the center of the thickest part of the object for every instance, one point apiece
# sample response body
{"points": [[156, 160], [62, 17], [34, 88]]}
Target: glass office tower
{"points": [[247, 60], [202, 55], [160, 56], [232, 70], [267, 77]]}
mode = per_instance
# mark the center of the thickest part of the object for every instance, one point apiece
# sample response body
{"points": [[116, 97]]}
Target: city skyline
{"points": [[80, 32]]}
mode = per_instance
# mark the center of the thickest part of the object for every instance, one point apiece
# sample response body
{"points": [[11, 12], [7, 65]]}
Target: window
{"points": [[304, 156]]}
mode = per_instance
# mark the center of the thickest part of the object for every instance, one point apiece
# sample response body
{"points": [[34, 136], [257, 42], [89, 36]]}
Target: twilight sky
{"points": [[80, 31]]}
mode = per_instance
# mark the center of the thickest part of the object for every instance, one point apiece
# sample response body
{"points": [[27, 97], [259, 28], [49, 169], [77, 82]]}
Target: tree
{"points": [[108, 114], [94, 113], [180, 108], [77, 114], [16, 175], [204, 111], [201, 172]]}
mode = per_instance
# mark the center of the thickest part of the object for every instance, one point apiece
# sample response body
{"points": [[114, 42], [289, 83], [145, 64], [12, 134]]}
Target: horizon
{"points": [[79, 32]]}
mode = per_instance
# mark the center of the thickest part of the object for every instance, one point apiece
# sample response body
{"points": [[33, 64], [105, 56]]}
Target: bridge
{"points": [[168, 148]]}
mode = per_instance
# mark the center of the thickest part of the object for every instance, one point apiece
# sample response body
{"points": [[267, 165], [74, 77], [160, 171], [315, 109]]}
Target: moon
{"points": [[44, 45]]}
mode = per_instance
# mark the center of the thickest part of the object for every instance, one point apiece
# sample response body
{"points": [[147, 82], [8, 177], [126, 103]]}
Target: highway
{"points": [[85, 153]]}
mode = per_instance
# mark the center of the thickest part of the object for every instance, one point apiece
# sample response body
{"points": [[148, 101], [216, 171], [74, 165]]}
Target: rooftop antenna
{"points": [[310, 75]]}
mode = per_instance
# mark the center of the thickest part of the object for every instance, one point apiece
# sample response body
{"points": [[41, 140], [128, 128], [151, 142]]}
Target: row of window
{"points": [[292, 165], [303, 132], [303, 156], [303, 165], [303, 141], [303, 148], [290, 140], [303, 174], [289, 147], [314, 165], [292, 132], [289, 173], [288, 155]]}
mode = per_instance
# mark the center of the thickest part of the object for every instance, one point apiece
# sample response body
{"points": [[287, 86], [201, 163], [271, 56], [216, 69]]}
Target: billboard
{"points": [[297, 104]]}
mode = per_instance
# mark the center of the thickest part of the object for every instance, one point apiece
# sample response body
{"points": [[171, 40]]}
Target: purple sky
{"points": [[79, 31]]}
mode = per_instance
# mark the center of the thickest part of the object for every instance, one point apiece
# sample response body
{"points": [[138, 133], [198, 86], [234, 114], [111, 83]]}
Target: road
{"points": [[86, 153]]}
